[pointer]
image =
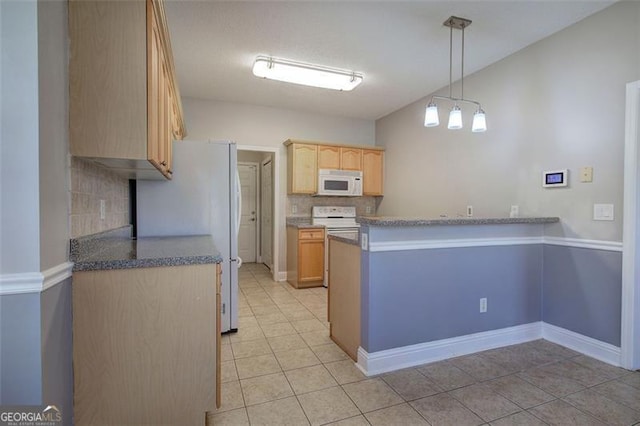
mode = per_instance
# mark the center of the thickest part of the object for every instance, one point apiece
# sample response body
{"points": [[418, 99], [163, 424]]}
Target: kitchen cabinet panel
{"points": [[302, 168], [372, 172], [144, 345], [124, 104], [305, 257], [328, 157], [351, 159], [344, 296]]}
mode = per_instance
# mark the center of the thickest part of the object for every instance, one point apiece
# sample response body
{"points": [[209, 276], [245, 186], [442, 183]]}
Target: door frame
{"points": [[630, 321], [262, 164], [278, 206], [257, 203]]}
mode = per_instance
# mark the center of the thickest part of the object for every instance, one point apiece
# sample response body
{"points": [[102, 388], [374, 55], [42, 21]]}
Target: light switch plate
{"points": [[586, 174], [603, 212]]}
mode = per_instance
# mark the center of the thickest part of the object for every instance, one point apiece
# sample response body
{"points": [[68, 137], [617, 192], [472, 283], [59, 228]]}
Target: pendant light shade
{"points": [[455, 118], [431, 118], [479, 122]]}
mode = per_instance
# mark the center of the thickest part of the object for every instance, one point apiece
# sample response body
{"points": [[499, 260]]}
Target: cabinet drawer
{"points": [[311, 234]]}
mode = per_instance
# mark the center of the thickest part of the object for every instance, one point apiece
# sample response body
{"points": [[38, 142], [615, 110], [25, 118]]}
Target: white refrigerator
{"points": [[202, 198]]}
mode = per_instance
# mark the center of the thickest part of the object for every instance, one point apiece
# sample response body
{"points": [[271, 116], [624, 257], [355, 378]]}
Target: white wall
{"points": [[556, 104], [267, 126]]}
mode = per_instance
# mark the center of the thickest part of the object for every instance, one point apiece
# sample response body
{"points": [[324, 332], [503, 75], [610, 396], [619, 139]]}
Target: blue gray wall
{"points": [[582, 291], [426, 295], [57, 354], [421, 296], [36, 341], [20, 352]]}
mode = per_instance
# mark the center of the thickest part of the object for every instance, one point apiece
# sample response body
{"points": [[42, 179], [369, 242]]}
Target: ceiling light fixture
{"points": [[455, 116], [306, 74]]}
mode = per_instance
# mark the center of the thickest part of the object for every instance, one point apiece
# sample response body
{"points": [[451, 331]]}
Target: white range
{"points": [[337, 220]]}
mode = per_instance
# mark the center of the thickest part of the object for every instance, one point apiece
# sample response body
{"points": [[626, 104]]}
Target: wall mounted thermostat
{"points": [[555, 178]]}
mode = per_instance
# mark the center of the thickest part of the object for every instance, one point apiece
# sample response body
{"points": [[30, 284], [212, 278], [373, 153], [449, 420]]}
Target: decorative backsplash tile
{"points": [[303, 204], [91, 183]]}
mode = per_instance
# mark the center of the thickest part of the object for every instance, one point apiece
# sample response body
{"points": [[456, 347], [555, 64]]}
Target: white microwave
{"points": [[346, 183]]}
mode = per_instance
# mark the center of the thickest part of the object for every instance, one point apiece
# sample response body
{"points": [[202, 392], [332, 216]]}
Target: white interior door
{"points": [[248, 217], [266, 213]]}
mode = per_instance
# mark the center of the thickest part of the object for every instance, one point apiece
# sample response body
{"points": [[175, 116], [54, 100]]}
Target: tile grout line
{"points": [[260, 292]]}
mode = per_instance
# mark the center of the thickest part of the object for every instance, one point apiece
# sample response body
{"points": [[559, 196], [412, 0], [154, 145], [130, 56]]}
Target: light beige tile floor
{"points": [[281, 368]]}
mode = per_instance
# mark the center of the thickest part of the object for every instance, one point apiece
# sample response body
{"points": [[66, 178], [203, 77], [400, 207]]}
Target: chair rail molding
{"points": [[34, 282]]}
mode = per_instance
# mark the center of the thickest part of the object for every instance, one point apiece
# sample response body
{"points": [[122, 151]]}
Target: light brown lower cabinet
{"points": [[344, 296], [305, 257], [144, 345]]}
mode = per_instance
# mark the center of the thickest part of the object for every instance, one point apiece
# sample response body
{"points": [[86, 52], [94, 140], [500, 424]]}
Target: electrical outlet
{"points": [[294, 208], [469, 211], [515, 211], [103, 210], [368, 209], [483, 305], [364, 241]]}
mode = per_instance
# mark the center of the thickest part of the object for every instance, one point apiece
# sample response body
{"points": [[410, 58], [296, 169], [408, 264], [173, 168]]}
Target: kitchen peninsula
{"points": [[435, 288]]}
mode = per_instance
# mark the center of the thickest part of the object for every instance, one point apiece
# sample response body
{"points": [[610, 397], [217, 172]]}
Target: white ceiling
{"points": [[402, 48]]}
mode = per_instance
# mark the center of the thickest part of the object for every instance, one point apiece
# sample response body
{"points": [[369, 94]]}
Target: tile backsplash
{"points": [[303, 204], [91, 183]]}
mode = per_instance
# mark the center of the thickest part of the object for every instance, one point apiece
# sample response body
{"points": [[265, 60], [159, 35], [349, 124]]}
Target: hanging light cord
{"points": [[450, 59], [462, 67], [450, 97]]}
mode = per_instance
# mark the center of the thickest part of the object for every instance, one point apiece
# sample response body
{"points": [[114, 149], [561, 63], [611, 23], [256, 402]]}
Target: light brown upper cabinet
{"points": [[339, 158], [304, 158], [302, 168], [372, 172], [124, 103], [328, 157], [350, 158]]}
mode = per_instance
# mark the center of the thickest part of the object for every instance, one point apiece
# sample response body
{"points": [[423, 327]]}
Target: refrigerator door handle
{"points": [[239, 198], [239, 203]]}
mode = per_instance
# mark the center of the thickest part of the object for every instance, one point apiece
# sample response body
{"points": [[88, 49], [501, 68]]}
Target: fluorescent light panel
{"points": [[305, 74]]}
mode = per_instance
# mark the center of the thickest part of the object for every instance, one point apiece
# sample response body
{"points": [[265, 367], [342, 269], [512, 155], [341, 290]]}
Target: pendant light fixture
{"points": [[431, 118]]}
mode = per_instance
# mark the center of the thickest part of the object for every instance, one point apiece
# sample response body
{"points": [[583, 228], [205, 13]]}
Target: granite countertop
{"points": [[115, 250], [409, 221], [343, 239], [302, 223]]}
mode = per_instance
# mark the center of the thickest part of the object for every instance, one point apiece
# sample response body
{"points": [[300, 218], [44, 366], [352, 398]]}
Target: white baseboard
{"points": [[34, 282], [409, 356], [422, 353], [585, 345], [282, 276]]}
